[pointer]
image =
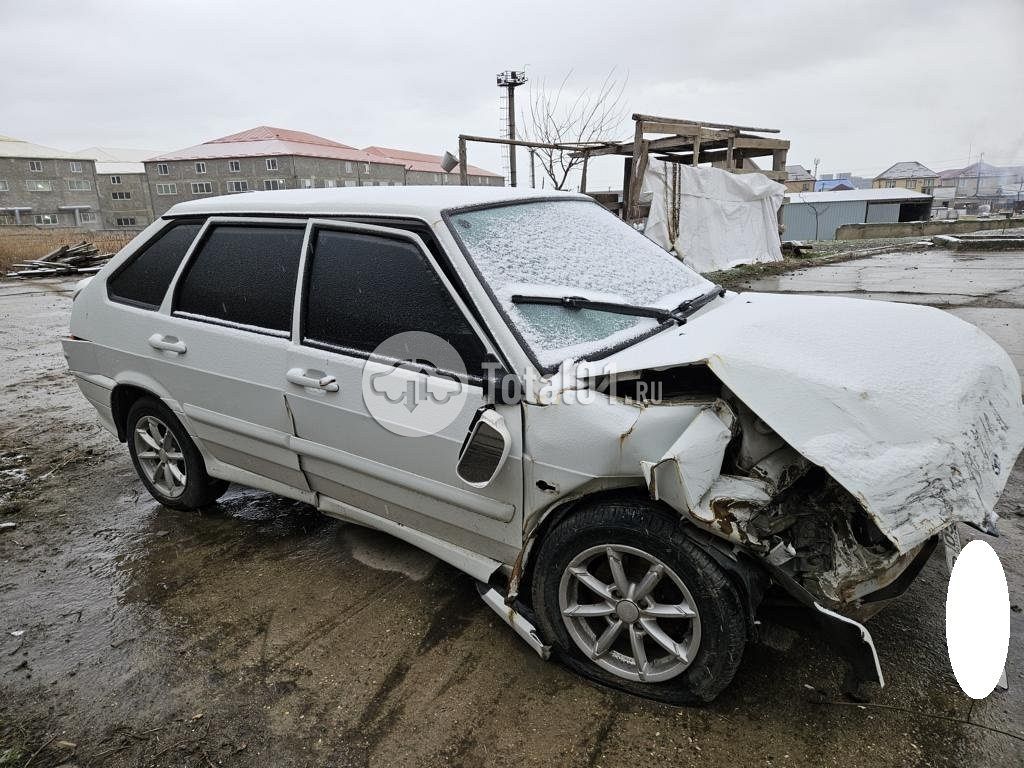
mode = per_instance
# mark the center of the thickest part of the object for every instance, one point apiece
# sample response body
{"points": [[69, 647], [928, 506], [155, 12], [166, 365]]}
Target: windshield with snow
{"points": [[564, 248]]}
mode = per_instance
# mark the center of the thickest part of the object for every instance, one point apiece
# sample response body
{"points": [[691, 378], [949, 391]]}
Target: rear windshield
{"points": [[571, 248]]}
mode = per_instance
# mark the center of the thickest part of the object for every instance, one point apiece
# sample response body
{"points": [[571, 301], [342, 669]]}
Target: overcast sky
{"points": [[860, 85]]}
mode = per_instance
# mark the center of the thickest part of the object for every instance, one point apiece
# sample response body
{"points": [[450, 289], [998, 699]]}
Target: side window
{"points": [[362, 289], [243, 276], [143, 280]]}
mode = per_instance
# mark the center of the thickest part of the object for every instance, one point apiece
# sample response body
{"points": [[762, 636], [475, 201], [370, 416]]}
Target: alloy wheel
{"points": [[160, 456], [629, 613]]}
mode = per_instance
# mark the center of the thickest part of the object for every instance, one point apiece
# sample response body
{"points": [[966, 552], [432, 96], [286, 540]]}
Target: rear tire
{"points": [[680, 641], [166, 460]]}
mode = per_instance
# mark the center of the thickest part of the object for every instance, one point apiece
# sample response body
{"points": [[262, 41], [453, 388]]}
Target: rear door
{"points": [[366, 372], [222, 340]]}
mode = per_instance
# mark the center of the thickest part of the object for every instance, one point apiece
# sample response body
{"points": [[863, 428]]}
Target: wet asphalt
{"points": [[261, 633]]}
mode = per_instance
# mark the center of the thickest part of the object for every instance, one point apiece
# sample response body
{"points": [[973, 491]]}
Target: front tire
{"points": [[630, 601], [166, 460]]}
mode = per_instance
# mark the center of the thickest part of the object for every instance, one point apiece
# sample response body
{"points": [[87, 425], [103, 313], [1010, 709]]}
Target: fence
{"points": [[19, 244]]}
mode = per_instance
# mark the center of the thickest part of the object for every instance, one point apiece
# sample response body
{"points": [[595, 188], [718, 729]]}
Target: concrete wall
{"points": [[117, 214], [15, 171], [923, 228]]}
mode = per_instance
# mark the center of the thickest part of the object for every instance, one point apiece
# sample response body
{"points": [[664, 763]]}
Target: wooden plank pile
{"points": [[81, 259]]}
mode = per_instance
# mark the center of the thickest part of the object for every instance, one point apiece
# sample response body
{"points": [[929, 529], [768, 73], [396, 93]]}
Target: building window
{"points": [[366, 167], [351, 183], [4, 186], [200, 167], [348, 167], [76, 167], [167, 189], [46, 219], [36, 166], [120, 195], [927, 190], [891, 184], [161, 169], [305, 183], [125, 221], [202, 188], [79, 185], [273, 184], [33, 185], [238, 186], [330, 183], [87, 217], [234, 166], [271, 163], [115, 179]]}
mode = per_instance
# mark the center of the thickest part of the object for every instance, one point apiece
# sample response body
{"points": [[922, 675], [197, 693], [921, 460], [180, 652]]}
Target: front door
{"points": [[383, 386]]}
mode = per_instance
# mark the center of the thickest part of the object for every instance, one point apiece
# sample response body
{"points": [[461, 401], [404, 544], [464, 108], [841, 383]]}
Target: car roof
{"points": [[425, 202]]}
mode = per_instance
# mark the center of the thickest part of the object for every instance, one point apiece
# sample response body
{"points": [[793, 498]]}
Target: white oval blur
{"points": [[977, 619]]}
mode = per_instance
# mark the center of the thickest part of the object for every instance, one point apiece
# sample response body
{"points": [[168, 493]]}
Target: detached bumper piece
{"points": [[850, 639], [495, 600]]}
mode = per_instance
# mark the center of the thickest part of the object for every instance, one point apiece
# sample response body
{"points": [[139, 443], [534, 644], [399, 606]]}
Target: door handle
{"points": [[312, 379], [167, 343]]}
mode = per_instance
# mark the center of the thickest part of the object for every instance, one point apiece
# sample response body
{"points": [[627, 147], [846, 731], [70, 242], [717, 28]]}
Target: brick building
{"points": [[421, 168], [46, 187], [122, 186], [264, 158]]}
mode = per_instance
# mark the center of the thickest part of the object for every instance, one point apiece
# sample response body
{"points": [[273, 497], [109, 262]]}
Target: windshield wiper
{"points": [[677, 315]]}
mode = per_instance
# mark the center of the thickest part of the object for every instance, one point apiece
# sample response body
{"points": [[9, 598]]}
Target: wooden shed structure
{"points": [[676, 140], [693, 142]]}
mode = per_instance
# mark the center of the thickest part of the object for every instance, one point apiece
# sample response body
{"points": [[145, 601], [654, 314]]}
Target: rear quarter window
{"points": [[143, 280]]}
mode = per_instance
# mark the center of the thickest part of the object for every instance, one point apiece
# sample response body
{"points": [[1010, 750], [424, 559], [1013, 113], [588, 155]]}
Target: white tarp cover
{"points": [[914, 411], [725, 219]]}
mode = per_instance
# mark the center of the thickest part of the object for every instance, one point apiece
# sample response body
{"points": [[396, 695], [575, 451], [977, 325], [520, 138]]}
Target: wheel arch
{"points": [[747, 576], [122, 397]]}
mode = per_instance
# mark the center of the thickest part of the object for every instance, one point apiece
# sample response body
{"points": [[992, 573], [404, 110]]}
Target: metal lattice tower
{"points": [[508, 81]]}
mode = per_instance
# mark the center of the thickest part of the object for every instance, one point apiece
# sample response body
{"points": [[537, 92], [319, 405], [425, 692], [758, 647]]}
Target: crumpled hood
{"points": [[915, 412]]}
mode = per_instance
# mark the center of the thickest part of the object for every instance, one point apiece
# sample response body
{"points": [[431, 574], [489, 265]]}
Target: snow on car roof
{"points": [[422, 201]]}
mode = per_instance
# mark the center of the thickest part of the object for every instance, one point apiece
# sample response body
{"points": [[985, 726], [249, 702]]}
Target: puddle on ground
{"points": [[382, 552]]}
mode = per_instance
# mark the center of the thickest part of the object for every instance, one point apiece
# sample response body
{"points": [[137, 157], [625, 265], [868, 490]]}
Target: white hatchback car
{"points": [[640, 469]]}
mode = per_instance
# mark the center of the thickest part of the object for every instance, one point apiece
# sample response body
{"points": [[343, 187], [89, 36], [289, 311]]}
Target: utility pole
{"points": [[510, 80], [977, 183], [816, 161]]}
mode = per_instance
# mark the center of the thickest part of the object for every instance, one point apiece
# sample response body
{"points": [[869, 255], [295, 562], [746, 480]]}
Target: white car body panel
{"points": [[914, 411]]}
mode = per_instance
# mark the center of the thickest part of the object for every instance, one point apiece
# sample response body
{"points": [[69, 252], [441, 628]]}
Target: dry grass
{"points": [[19, 244]]}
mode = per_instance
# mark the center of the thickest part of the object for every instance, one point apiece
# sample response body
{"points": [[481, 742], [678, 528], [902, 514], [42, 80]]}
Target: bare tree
{"points": [[554, 117]]}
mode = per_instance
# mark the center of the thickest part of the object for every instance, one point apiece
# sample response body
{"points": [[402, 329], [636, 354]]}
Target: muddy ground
{"points": [[260, 633]]}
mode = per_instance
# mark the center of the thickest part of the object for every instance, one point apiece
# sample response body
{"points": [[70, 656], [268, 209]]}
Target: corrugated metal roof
{"points": [[869, 195], [421, 161], [10, 147], [265, 141], [798, 173], [910, 169], [118, 160]]}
